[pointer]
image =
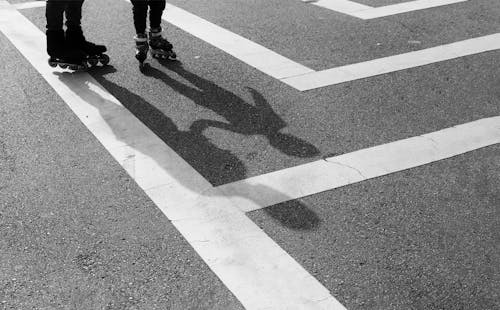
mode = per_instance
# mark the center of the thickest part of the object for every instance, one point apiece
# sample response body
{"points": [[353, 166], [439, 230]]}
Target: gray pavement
{"points": [[76, 232]]}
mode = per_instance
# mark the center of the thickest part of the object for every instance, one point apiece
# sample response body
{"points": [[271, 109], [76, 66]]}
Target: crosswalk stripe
{"points": [[249, 52], [252, 266], [395, 63], [29, 5], [341, 6], [312, 178], [404, 7], [367, 12]]}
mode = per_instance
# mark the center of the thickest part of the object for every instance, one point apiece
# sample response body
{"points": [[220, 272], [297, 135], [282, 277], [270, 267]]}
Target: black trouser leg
{"points": [[140, 13], [74, 33], [54, 14], [74, 15], [54, 11], [156, 8]]}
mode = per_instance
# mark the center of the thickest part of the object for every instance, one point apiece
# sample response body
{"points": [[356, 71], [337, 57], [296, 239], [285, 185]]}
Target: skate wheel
{"points": [[52, 64], [64, 66], [93, 62], [104, 59]]}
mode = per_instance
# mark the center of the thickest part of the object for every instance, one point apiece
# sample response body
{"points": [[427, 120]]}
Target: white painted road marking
{"points": [[278, 67], [243, 49], [303, 78], [367, 12], [250, 264], [334, 172], [253, 267], [394, 63], [29, 5]]}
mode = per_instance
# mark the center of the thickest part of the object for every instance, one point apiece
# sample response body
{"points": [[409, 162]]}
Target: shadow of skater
{"points": [[190, 145], [242, 117]]}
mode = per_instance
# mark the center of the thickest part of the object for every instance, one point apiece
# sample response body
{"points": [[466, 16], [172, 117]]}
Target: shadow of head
{"points": [[294, 215]]}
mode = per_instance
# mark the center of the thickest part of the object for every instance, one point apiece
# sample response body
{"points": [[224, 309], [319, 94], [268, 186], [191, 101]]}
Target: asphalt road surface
{"points": [[322, 154]]}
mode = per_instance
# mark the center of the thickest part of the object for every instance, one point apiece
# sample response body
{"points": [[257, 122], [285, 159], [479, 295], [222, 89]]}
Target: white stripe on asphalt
{"points": [[303, 78], [394, 63], [341, 6], [29, 5], [296, 182], [367, 12], [404, 7], [254, 268], [243, 49]]}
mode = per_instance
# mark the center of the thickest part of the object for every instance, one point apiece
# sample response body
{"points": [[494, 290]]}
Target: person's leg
{"points": [[160, 47], [156, 8], [140, 13], [74, 16], [74, 31], [54, 14]]}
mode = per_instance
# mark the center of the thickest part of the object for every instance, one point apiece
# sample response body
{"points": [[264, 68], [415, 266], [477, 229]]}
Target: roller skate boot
{"points": [[60, 54], [160, 47], [141, 48], [95, 52], [69, 59]]}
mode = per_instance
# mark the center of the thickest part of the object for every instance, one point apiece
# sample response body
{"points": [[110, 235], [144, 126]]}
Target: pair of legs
{"points": [[70, 45], [160, 47], [55, 12], [140, 13]]}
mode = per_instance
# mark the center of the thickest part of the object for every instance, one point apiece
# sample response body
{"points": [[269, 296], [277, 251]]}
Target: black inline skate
{"points": [[141, 48], [95, 52], [62, 55], [160, 47]]}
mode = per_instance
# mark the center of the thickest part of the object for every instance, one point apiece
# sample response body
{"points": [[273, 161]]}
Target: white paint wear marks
{"points": [[293, 183], [254, 268], [394, 63], [367, 12], [304, 78]]}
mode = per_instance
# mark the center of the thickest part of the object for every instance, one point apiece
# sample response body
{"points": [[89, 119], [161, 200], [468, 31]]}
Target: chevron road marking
{"points": [[367, 12]]}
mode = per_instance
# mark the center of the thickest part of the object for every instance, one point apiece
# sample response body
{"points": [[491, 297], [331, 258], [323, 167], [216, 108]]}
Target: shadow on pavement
{"points": [[242, 117], [193, 147]]}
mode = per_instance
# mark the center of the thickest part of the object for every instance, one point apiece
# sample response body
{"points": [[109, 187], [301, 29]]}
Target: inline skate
{"points": [[160, 47], [62, 55], [141, 48], [95, 53]]}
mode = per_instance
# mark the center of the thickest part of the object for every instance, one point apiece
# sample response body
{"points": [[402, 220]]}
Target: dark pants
{"points": [[57, 9], [57, 38], [140, 12]]}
